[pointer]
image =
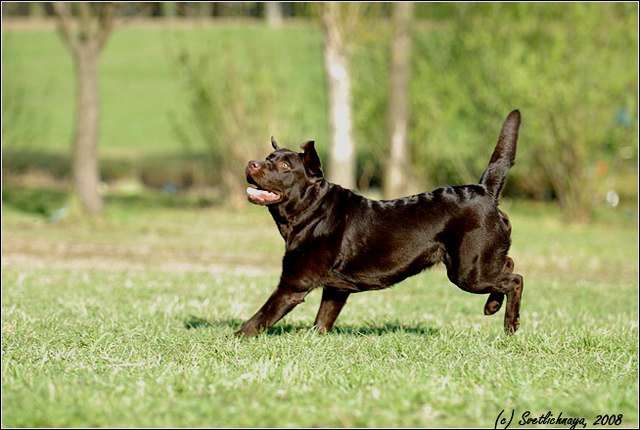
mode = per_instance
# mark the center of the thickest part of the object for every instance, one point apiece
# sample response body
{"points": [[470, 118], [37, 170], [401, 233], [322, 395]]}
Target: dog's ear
{"points": [[311, 160], [274, 143]]}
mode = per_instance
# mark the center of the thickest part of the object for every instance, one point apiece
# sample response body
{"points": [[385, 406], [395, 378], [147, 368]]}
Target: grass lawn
{"points": [[144, 101], [128, 323]]}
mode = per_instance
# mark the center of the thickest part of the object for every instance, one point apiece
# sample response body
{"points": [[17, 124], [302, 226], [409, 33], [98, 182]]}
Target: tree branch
{"points": [[65, 24], [105, 23], [85, 35]]}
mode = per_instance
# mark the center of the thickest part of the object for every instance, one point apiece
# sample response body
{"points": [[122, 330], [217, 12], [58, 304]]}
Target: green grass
{"points": [[128, 322]]}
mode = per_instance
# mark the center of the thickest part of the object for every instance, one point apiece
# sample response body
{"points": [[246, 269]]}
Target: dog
{"points": [[347, 243]]}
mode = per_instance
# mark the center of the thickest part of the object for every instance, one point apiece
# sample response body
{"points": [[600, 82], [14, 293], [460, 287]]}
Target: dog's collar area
{"points": [[262, 197]]}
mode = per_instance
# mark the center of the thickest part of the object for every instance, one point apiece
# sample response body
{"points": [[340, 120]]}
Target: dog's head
{"points": [[283, 175]]}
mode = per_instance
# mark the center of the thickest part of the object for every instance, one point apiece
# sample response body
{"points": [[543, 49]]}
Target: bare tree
{"points": [[342, 158], [85, 28], [273, 14], [397, 174]]}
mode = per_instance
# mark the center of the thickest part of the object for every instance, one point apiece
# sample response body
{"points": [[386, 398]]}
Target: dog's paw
{"points": [[244, 333], [510, 327], [494, 303], [492, 307]]}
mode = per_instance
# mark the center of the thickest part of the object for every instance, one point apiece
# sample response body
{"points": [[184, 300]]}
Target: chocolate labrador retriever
{"points": [[347, 243]]}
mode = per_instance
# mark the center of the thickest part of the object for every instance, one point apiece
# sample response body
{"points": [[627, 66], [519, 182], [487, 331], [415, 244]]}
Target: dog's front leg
{"points": [[283, 299], [332, 303]]}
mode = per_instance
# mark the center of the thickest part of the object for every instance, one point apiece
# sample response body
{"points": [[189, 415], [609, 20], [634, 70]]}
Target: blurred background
{"points": [[166, 102]]}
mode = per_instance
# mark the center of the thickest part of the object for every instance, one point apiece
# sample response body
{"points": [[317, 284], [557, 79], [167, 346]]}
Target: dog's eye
{"points": [[284, 165]]}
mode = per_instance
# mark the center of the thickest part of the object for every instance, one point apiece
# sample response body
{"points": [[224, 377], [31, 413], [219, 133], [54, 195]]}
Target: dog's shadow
{"points": [[193, 322]]}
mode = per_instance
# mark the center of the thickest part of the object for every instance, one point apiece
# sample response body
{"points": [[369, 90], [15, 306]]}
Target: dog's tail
{"points": [[504, 156]]}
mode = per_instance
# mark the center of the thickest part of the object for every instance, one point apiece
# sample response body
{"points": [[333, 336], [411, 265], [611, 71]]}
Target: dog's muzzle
{"points": [[258, 195]]}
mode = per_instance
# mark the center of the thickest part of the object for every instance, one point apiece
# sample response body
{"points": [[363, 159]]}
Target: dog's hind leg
{"points": [[511, 284], [498, 283], [332, 303], [277, 306], [494, 302]]}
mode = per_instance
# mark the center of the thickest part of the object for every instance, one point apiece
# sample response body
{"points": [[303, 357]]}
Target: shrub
{"points": [[241, 91], [572, 69]]}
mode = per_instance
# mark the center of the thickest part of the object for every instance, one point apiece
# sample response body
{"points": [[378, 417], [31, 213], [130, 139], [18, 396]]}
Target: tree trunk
{"points": [[342, 156], [397, 175], [86, 172], [85, 34], [273, 14]]}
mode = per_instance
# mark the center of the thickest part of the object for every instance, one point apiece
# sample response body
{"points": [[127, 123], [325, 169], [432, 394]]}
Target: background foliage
{"points": [[241, 91], [188, 105], [571, 69]]}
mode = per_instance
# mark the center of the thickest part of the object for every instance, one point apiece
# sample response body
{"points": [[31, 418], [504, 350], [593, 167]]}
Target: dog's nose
{"points": [[253, 165]]}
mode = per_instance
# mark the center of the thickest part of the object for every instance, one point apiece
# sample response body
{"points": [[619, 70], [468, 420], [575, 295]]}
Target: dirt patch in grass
{"points": [[112, 256]]}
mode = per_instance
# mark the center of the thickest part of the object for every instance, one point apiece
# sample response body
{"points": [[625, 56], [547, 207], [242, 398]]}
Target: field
{"points": [[129, 322]]}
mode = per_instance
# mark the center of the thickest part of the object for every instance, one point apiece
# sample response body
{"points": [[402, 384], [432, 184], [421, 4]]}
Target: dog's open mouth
{"points": [[259, 196]]}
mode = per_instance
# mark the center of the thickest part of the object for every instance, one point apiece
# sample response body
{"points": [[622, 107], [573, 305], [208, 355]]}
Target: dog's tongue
{"points": [[261, 195]]}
